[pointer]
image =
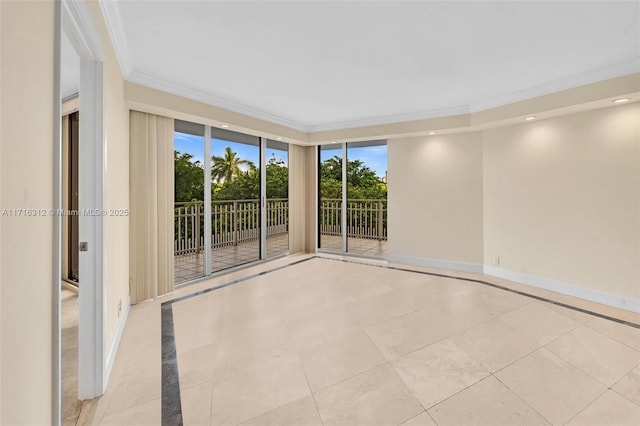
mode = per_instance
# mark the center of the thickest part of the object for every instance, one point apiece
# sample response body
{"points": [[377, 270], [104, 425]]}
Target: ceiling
{"points": [[69, 68], [327, 65]]}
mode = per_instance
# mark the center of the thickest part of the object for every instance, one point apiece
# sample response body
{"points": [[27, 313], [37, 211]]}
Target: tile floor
{"points": [[328, 342], [70, 404]]}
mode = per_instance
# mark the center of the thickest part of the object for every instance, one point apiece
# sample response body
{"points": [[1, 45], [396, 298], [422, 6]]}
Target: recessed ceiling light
{"points": [[334, 141], [224, 126], [619, 101], [531, 117], [278, 139], [432, 133]]}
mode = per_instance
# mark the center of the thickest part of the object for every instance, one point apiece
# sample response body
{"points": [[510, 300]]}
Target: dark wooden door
{"points": [[74, 236]]}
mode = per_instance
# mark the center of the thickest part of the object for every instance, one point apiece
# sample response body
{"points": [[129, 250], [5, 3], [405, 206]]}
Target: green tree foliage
{"points": [[246, 185], [189, 178], [235, 184], [227, 167], [277, 179], [362, 182]]}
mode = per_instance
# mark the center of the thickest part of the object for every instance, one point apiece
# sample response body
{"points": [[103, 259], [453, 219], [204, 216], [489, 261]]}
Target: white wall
{"points": [[26, 170], [561, 200], [557, 200], [1, 119], [435, 200]]}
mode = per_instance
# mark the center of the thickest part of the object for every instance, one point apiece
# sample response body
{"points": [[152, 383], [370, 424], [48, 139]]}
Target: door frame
{"points": [[77, 22]]}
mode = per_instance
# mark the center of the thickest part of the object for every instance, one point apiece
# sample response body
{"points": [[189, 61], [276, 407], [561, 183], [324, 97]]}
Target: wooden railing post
{"points": [[197, 230], [379, 220], [235, 222]]}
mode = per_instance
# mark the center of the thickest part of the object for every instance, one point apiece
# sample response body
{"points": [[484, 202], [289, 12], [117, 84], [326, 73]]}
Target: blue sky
{"points": [[375, 156], [194, 145]]}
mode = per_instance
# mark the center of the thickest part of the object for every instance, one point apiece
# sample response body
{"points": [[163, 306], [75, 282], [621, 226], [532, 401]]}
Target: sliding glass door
{"points": [[330, 218], [367, 198], [235, 199], [277, 195], [189, 208], [353, 198], [231, 199]]}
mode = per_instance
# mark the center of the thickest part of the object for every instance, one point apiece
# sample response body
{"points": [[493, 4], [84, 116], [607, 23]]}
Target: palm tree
{"points": [[226, 167]]}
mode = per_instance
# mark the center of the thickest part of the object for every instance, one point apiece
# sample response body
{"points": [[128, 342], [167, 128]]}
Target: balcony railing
{"points": [[236, 221], [366, 218], [232, 222]]}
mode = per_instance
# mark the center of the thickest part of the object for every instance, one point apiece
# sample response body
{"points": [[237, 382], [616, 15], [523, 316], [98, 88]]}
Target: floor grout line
{"points": [[520, 398], [622, 378], [313, 398], [588, 405]]}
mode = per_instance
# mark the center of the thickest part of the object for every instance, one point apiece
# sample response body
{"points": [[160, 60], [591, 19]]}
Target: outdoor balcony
{"points": [[235, 232]]}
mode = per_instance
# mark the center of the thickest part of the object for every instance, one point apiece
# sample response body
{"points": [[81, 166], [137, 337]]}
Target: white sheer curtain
{"points": [[151, 205]]}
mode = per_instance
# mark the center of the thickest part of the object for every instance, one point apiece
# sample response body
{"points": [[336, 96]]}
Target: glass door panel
{"points": [[235, 199], [188, 218], [277, 206], [367, 198], [330, 235]]}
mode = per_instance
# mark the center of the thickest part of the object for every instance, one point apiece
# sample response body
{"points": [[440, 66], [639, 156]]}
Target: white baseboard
{"points": [[592, 295], [437, 263], [113, 350]]}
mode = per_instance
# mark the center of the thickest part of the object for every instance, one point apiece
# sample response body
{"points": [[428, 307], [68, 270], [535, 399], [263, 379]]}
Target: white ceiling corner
{"points": [[111, 13]]}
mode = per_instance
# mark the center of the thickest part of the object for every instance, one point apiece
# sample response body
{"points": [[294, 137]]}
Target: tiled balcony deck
{"points": [[362, 246], [191, 266]]}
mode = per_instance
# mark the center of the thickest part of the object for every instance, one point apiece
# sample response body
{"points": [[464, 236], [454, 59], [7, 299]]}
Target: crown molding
{"points": [[390, 119], [592, 76], [79, 27], [216, 101], [197, 95], [113, 20]]}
